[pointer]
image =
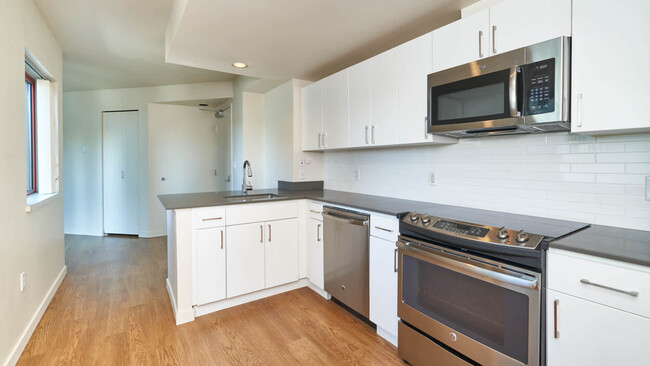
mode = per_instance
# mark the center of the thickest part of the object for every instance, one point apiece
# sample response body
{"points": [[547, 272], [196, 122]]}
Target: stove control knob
{"points": [[521, 236], [502, 233], [414, 217], [425, 220]]}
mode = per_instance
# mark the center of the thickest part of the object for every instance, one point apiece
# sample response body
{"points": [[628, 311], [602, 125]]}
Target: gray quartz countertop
{"points": [[385, 205], [631, 246]]}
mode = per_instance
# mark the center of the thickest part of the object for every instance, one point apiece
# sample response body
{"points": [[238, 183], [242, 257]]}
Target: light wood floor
{"points": [[113, 309]]}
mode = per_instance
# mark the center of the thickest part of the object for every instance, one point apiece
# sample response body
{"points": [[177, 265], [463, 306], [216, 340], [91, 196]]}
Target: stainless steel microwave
{"points": [[520, 91]]}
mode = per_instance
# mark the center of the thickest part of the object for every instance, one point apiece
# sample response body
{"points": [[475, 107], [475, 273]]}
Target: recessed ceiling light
{"points": [[240, 65]]}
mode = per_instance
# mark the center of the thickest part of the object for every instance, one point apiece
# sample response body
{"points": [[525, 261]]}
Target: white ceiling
{"points": [[305, 39], [116, 44]]}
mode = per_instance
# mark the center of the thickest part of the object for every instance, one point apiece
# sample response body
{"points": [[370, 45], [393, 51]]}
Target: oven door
{"points": [[486, 311]]}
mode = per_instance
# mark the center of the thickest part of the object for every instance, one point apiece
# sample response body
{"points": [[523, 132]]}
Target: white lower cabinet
{"points": [[210, 265], [245, 259], [593, 334], [315, 255], [281, 252], [383, 285]]}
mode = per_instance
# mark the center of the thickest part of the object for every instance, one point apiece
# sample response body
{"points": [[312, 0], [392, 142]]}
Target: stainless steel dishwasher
{"points": [[345, 236]]}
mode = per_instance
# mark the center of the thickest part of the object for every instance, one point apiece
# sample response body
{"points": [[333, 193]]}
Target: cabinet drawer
{"points": [[615, 284], [385, 227], [315, 211], [206, 217], [242, 214]]}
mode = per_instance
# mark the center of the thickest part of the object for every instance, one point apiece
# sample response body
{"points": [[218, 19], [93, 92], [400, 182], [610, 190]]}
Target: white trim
{"points": [[228, 303], [152, 233], [37, 200], [319, 291], [27, 333], [181, 317], [387, 335]]}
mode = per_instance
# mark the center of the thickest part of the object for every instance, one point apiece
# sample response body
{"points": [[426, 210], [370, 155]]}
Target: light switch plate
{"points": [[647, 188], [432, 178], [357, 174]]}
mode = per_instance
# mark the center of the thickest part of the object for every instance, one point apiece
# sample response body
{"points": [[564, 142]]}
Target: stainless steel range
{"points": [[473, 293]]}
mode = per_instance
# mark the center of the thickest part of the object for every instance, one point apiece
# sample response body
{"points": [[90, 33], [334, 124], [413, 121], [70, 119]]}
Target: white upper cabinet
{"points": [[463, 41], [610, 74], [360, 89], [520, 23], [414, 64], [335, 111], [383, 129], [312, 116]]}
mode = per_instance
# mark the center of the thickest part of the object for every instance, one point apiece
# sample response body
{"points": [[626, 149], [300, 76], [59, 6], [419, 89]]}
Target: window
{"points": [[30, 128]]}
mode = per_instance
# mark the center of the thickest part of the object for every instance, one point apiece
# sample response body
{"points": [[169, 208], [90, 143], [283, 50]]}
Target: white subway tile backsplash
{"points": [[598, 180]]}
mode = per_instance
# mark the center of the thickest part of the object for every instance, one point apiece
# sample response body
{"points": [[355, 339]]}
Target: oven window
{"points": [[479, 98], [492, 315]]}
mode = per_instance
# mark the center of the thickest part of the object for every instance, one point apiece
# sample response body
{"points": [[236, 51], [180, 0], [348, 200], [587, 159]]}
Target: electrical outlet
{"points": [[432, 178], [357, 174], [647, 188], [23, 281], [301, 173]]}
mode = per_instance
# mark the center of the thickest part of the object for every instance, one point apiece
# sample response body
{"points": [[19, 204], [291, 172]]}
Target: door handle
{"points": [[261, 233], [372, 134], [221, 239], [426, 128], [383, 229], [494, 39], [212, 219], [269, 233], [324, 139], [480, 45], [579, 109], [395, 260], [367, 128], [631, 293], [512, 91], [318, 232], [556, 333]]}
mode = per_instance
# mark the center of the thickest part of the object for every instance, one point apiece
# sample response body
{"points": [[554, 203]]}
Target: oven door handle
{"points": [[466, 268]]}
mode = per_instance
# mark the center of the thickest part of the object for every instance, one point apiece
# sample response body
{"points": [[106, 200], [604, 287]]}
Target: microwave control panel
{"points": [[539, 87]]}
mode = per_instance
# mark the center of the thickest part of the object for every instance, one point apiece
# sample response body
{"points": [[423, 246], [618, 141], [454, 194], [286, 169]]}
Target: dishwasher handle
{"points": [[345, 217]]}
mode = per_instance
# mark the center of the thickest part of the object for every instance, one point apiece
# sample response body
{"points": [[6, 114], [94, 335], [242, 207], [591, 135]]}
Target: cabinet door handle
{"points": [[556, 333], [631, 293], [395, 260], [381, 228], [579, 109], [269, 233], [367, 128], [318, 232], [372, 134], [319, 140], [494, 39], [324, 139], [221, 239], [261, 233], [426, 128], [314, 211], [212, 218], [480, 44]]}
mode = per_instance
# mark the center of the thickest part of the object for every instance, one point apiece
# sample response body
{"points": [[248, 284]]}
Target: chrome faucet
{"points": [[247, 186]]}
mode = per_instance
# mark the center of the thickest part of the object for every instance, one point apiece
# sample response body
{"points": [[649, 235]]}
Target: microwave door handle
{"points": [[512, 91]]}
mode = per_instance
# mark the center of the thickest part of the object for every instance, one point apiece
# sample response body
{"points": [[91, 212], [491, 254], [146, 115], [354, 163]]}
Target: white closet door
{"points": [[120, 155]]}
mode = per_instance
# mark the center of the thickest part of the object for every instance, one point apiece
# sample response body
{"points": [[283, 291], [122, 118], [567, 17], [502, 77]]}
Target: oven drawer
{"points": [[417, 349], [384, 227], [607, 282]]}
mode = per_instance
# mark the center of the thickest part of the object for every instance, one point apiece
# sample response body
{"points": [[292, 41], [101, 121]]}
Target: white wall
{"points": [[184, 149], [253, 140], [82, 126], [595, 180], [278, 135], [31, 242]]}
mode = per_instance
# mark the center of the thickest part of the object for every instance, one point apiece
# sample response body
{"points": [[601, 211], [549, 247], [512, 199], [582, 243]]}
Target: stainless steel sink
{"points": [[252, 197]]}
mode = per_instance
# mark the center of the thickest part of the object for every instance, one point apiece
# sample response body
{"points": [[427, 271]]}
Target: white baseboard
{"points": [[27, 333], [152, 234], [387, 335], [319, 291], [228, 303], [180, 317]]}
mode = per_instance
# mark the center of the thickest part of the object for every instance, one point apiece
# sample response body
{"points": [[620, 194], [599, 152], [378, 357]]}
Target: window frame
{"points": [[29, 79]]}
